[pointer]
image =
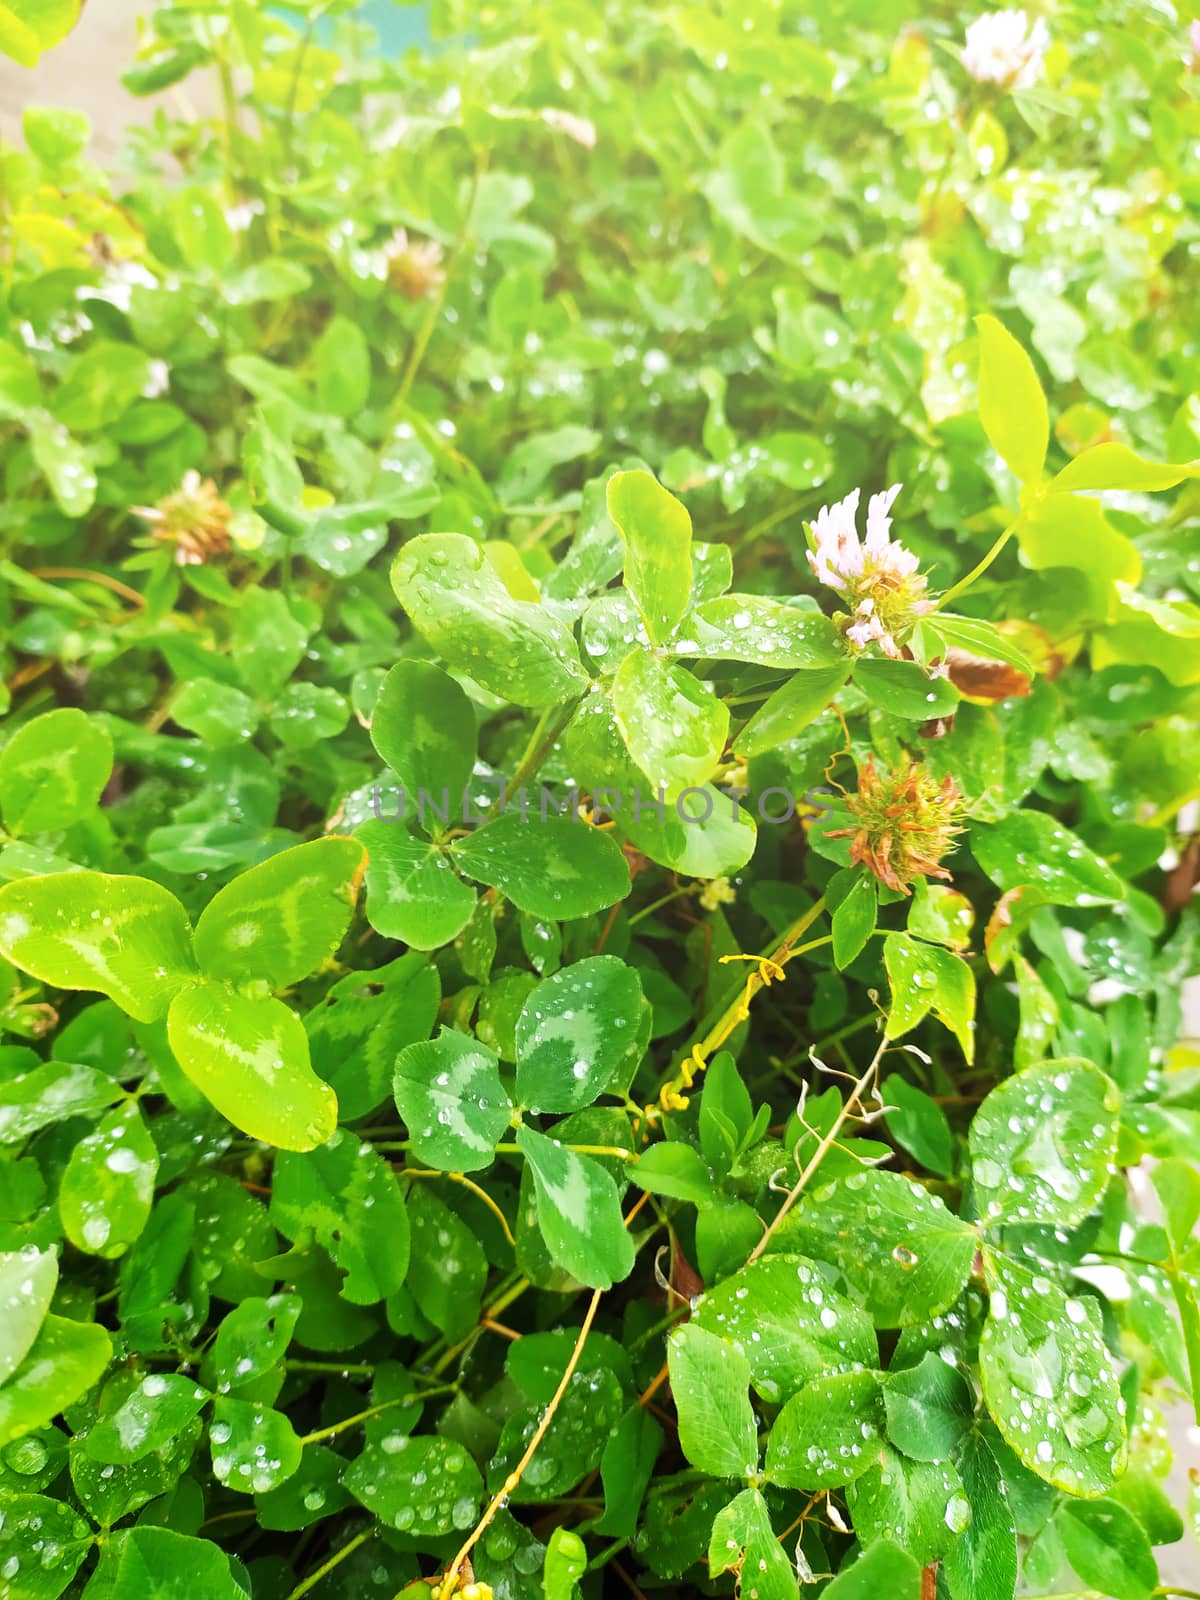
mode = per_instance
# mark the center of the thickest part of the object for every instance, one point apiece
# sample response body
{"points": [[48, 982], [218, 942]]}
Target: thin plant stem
{"points": [[450, 1581], [425, 331], [289, 127], [543, 739], [980, 567], [335, 1560], [657, 905], [467, 1183], [346, 1423], [822, 1150]]}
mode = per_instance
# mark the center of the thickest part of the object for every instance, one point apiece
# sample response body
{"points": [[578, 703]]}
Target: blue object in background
{"points": [[399, 27]]}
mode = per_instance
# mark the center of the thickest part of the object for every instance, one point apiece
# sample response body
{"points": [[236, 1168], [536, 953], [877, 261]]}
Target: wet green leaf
{"points": [[43, 1542], [674, 729], [578, 1212], [826, 1435], [790, 710], [903, 689], [1048, 1380], [626, 1467], [27, 1281], [343, 368], [789, 1324], [1108, 1548], [576, 1033], [566, 1560], [1042, 1144], [893, 1241], [677, 1170], [347, 1195], [449, 1093], [423, 726], [249, 1057], [153, 1413], [281, 919], [743, 1539], [656, 532], [127, 937], [920, 1505], [149, 1563], [251, 1340], [1031, 847], [982, 1564], [1012, 406], [463, 611], [710, 1381], [883, 1569], [52, 772], [108, 1185], [919, 1124], [570, 1448], [425, 1486], [65, 1359], [929, 1408], [254, 1449], [413, 892], [554, 869], [924, 978]]}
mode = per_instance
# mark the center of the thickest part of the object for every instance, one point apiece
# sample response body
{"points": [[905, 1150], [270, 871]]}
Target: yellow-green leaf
{"points": [[250, 1058], [1012, 406], [1116, 466], [27, 27], [52, 771], [284, 917], [657, 533], [127, 937], [673, 727]]}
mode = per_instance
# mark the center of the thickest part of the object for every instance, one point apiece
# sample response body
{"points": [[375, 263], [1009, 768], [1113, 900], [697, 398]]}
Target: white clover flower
{"points": [[121, 278], [867, 629], [1001, 47], [884, 591], [158, 382], [581, 129], [838, 558], [240, 217]]}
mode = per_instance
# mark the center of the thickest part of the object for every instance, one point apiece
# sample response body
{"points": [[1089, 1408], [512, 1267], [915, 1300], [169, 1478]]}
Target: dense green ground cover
{"points": [[738, 433]]}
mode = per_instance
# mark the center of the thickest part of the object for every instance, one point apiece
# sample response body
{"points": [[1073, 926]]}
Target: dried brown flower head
{"points": [[414, 265], [906, 823], [194, 519]]}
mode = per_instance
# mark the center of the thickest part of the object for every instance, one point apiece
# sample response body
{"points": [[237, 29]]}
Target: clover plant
{"points": [[601, 660]]}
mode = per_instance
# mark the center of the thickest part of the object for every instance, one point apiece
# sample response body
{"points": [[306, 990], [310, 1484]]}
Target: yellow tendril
{"points": [[671, 1096]]}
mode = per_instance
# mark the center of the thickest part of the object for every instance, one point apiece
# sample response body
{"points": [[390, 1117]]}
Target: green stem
{"points": [[425, 331], [581, 1149], [845, 1032], [657, 905], [229, 111], [289, 127], [347, 1549], [346, 1423], [360, 1369], [978, 570], [863, 1084], [543, 739]]}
